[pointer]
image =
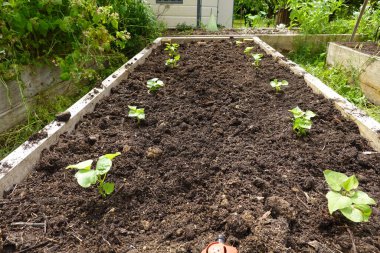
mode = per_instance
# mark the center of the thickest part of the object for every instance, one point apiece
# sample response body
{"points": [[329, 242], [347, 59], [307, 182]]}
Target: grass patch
{"points": [[344, 82], [39, 115]]}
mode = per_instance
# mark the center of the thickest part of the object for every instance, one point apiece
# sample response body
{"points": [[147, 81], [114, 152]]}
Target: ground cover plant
{"points": [[302, 120], [217, 154]]}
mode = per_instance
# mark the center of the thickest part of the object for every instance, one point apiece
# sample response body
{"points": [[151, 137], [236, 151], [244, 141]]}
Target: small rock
{"points": [[279, 206], [92, 139], [179, 232], [126, 148], [153, 152], [145, 224], [63, 116], [224, 202], [308, 185]]}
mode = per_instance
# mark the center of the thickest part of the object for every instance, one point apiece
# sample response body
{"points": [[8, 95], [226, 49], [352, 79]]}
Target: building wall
{"points": [[173, 14]]}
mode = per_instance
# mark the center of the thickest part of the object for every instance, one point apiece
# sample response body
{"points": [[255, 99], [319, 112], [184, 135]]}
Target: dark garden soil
{"points": [[175, 32], [216, 154], [364, 47]]}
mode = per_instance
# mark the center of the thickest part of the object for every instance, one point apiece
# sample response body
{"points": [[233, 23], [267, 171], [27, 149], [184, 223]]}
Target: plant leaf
{"points": [[103, 165], [366, 211], [112, 156], [334, 179], [86, 178], [297, 112], [309, 114], [108, 188], [337, 201], [85, 165], [351, 183], [362, 198], [352, 214]]}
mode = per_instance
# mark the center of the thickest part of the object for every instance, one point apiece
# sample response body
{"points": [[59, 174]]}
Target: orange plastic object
{"points": [[217, 247]]}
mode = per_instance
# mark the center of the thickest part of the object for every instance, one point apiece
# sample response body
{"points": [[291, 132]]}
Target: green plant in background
{"points": [[138, 113], [312, 57], [248, 50], [172, 49], [278, 84], [344, 196], [301, 121], [154, 84], [87, 176], [257, 59]]}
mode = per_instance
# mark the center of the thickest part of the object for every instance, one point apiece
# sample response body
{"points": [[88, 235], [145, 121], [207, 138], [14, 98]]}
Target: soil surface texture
{"points": [[364, 47], [242, 31], [215, 155]]}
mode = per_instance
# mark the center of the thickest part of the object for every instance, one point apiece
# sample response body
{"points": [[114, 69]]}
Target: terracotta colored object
{"points": [[219, 247]]}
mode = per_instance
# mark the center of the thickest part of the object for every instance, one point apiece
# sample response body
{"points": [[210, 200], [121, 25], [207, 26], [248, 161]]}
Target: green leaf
{"points": [[65, 76], [115, 23], [334, 179], [86, 178], [303, 123], [56, 2], [309, 114], [337, 201], [351, 183], [85, 165], [297, 112], [103, 165], [366, 211], [362, 198], [352, 214], [112, 156], [108, 188]]}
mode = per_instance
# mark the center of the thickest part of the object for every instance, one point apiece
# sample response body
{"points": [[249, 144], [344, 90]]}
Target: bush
{"points": [[76, 35]]}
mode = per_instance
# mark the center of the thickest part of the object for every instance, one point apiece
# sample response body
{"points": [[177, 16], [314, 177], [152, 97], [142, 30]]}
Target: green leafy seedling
{"points": [[87, 176], [138, 113], [344, 196], [248, 50], [278, 84], [154, 84], [301, 121], [172, 62], [257, 59], [172, 49]]}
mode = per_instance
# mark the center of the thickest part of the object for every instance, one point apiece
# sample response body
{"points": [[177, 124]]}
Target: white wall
{"points": [[173, 14]]}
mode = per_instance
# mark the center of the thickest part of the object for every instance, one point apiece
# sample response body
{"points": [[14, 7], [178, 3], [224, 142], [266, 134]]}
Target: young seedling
{"points": [[172, 49], [154, 84], [344, 196], [301, 121], [87, 176], [257, 59], [173, 54], [172, 62], [134, 112], [248, 50], [277, 84]]}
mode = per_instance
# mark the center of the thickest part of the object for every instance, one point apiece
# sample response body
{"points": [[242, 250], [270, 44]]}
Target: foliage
{"points": [[154, 84], [301, 120], [87, 176], [344, 82], [278, 84], [183, 27], [313, 16], [248, 50], [344, 196], [257, 59], [370, 24], [172, 49], [138, 113], [76, 35]]}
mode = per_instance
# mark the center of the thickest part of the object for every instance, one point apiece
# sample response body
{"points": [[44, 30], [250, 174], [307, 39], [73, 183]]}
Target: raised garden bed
{"points": [[228, 157], [363, 58]]}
